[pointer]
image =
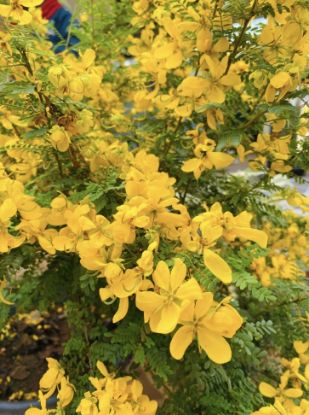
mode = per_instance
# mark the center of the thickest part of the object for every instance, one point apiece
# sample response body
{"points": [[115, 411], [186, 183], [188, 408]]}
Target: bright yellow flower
{"points": [[233, 226], [282, 391], [37, 411], [16, 10], [219, 80], [210, 322], [7, 118], [121, 285], [200, 237], [162, 308], [192, 87], [60, 139], [278, 86], [51, 378], [66, 392], [112, 395], [206, 158]]}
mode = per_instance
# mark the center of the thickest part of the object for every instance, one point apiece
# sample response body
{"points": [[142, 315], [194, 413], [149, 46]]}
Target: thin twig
{"points": [[215, 9], [239, 39]]}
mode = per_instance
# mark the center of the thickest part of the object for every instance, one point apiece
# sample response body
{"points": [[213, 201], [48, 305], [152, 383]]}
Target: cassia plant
{"points": [[136, 190]]}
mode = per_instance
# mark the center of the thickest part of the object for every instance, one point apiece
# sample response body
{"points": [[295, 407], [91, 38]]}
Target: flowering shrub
{"points": [[121, 199]]}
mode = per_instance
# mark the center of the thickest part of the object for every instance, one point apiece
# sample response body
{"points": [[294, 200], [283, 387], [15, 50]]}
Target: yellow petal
{"points": [[178, 274], [291, 33], [181, 341], [142, 221], [33, 411], [203, 305], [48, 380], [217, 266], [7, 209], [161, 276], [213, 66], [280, 79], [164, 51], [203, 40], [5, 10], [300, 346], [184, 110], [88, 58], [215, 94], [222, 45], [30, 3], [192, 86], [167, 321], [122, 310], [102, 368], [2, 298], [270, 93], [267, 390], [148, 301], [190, 290], [215, 346], [24, 18], [174, 60], [46, 245], [231, 79], [220, 160], [187, 314], [191, 165], [105, 293], [255, 235], [293, 393]]}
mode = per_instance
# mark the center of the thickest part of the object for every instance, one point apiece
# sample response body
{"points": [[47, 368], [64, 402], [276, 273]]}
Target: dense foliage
{"points": [[137, 190]]}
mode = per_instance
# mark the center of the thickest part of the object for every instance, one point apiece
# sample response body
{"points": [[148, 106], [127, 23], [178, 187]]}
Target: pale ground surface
{"points": [[241, 169]]}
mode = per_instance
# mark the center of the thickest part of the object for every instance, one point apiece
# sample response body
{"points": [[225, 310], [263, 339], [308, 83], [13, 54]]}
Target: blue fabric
{"points": [[62, 20]]}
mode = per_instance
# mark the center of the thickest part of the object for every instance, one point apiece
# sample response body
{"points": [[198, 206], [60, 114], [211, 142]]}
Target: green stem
{"points": [[240, 37]]}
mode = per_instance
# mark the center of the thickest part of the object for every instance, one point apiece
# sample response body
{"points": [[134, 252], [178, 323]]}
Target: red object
{"points": [[49, 8]]}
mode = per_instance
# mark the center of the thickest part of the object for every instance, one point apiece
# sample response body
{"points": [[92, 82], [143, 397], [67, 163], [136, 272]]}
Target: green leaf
{"points": [[16, 88], [38, 132], [232, 138]]}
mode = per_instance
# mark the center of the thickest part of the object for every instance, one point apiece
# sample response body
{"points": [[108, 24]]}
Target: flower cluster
{"points": [[294, 379], [53, 379], [119, 158], [122, 395], [287, 251]]}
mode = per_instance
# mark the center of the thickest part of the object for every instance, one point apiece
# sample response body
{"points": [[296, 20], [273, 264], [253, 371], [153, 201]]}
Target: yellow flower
{"points": [[7, 118], [88, 405], [282, 391], [112, 395], [16, 10], [192, 86], [121, 285], [233, 226], [280, 83], [210, 322], [8, 209], [66, 392], [37, 411], [218, 80], [51, 378], [206, 158], [200, 237], [60, 139], [145, 262], [162, 309]]}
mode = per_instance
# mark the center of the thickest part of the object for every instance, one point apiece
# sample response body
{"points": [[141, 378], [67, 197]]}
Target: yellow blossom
{"points": [[210, 322], [162, 309], [16, 10]]}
